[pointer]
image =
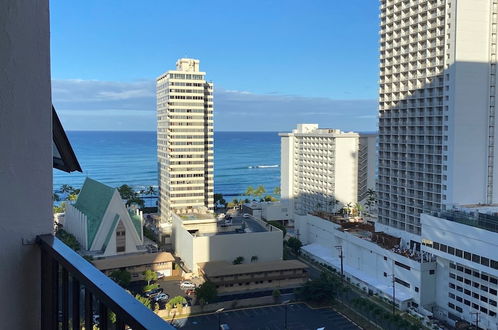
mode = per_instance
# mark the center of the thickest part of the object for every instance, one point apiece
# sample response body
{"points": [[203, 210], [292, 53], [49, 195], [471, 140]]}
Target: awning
{"points": [[64, 158]]}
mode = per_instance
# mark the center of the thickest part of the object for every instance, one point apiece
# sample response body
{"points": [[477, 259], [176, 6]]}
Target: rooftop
{"points": [[483, 217], [223, 268], [247, 225], [131, 260]]}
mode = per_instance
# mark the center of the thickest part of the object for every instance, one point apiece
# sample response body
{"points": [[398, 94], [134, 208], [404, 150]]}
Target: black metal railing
{"points": [[77, 295]]}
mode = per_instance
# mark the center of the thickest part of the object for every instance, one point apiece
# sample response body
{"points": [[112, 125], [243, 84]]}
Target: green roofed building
{"points": [[101, 222]]}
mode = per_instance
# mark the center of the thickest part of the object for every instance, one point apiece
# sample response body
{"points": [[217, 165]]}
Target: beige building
{"points": [[184, 140], [198, 238], [137, 264], [230, 278], [325, 169]]}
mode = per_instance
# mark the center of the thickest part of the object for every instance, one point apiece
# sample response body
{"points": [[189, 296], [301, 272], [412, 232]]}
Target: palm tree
{"points": [[66, 189], [259, 191], [254, 258], [56, 197], [276, 191], [151, 190], [249, 191]]}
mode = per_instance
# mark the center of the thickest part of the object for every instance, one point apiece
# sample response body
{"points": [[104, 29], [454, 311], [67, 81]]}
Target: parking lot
{"points": [[299, 317]]}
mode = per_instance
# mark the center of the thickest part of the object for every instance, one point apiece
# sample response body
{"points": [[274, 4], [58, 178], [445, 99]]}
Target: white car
{"points": [[246, 215], [187, 285], [161, 297]]}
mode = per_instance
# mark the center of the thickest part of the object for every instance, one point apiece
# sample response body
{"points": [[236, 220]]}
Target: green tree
{"points": [[151, 190], [56, 197], [238, 260], [174, 302], [270, 198], [146, 301], [277, 191], [126, 192], [150, 287], [61, 208], [294, 244], [254, 258], [66, 189], [72, 197], [68, 239], [260, 191], [150, 275], [279, 226], [249, 191], [121, 277], [321, 290], [206, 292], [136, 200], [276, 294]]}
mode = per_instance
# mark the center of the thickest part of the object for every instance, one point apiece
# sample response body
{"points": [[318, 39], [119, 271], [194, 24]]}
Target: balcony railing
{"points": [[77, 295]]}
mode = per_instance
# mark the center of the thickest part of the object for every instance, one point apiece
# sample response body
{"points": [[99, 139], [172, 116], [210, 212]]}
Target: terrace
{"points": [[366, 231]]}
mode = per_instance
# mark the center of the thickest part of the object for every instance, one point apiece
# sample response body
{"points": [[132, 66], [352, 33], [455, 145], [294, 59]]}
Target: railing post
{"points": [[47, 293], [76, 304], [103, 316], [65, 299], [88, 310], [54, 265]]}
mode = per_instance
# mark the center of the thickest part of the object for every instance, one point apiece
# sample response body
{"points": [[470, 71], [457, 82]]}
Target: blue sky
{"points": [[288, 61]]}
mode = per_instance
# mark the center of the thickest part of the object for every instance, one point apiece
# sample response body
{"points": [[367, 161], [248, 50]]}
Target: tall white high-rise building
{"points": [[185, 140], [325, 169], [436, 108]]}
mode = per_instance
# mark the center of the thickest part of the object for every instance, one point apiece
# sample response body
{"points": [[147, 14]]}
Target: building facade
{"points": [[325, 169], [465, 244], [436, 108], [185, 140], [101, 222]]}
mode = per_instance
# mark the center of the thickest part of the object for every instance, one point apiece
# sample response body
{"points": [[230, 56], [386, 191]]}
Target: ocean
{"points": [[117, 158]]}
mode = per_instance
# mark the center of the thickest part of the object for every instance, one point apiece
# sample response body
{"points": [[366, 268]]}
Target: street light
{"points": [[341, 256], [285, 319], [218, 312]]}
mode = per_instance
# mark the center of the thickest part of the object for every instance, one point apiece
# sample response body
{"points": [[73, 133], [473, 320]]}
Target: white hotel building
{"points": [[325, 169], [185, 140], [437, 153]]}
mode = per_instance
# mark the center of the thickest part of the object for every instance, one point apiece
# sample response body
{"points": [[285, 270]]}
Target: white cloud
{"points": [[83, 102]]}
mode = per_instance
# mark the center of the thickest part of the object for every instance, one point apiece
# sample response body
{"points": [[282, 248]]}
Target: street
{"points": [[299, 317]]}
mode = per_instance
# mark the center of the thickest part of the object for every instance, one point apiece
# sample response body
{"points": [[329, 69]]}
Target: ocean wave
{"points": [[264, 166]]}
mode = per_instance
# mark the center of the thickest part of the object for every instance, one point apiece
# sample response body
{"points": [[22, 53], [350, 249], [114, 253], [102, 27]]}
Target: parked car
{"points": [[224, 326], [153, 293], [187, 285], [246, 215], [161, 297], [228, 217], [190, 292], [159, 275]]}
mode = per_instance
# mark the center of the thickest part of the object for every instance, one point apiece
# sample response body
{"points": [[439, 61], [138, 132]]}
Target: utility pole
{"points": [[477, 319], [341, 256], [394, 291]]}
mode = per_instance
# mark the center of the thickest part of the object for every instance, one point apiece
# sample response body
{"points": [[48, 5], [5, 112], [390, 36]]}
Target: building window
{"points": [[120, 237]]}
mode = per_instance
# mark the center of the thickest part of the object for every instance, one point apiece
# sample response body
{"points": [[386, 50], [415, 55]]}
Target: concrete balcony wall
{"points": [[26, 157]]}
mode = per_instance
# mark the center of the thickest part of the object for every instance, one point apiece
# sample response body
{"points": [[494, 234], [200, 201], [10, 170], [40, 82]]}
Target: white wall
{"points": [[267, 246], [287, 171], [366, 257], [275, 211], [116, 206], [26, 158], [346, 169], [469, 104]]}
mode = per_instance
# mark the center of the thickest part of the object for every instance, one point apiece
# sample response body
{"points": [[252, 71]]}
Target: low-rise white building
{"points": [[325, 169], [370, 258], [199, 238], [465, 243]]}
